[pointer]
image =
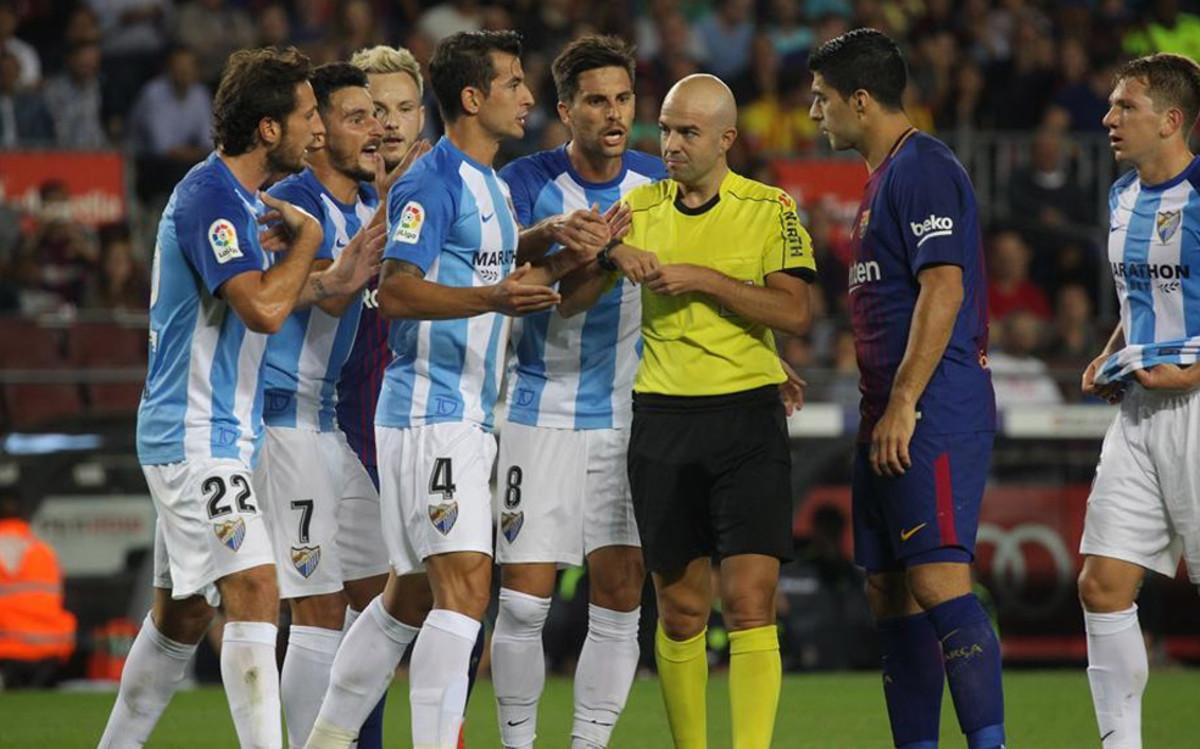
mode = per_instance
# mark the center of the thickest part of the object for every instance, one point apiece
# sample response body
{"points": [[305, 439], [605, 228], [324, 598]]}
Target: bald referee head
{"points": [[698, 125]]}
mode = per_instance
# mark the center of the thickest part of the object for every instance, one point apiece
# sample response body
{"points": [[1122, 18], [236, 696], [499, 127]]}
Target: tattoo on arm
{"points": [[400, 266], [318, 287]]}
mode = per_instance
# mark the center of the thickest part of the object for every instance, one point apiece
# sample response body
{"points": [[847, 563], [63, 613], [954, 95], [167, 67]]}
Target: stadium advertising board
{"points": [[94, 180]]}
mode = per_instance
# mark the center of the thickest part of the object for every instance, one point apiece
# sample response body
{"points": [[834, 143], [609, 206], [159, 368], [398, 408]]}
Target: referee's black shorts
{"points": [[710, 476]]}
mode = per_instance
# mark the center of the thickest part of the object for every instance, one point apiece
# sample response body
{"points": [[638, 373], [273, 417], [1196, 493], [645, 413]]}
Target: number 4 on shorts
{"points": [[442, 480]]}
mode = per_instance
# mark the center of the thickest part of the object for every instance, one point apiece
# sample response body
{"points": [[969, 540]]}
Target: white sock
{"points": [[519, 665], [438, 678], [362, 671], [305, 677], [1117, 671], [154, 669], [605, 672], [252, 683]]}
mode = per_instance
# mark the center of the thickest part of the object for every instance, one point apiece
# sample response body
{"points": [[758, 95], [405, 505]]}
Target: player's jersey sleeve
{"points": [[520, 176], [218, 235], [640, 199], [933, 198], [421, 213], [300, 194], [787, 246]]}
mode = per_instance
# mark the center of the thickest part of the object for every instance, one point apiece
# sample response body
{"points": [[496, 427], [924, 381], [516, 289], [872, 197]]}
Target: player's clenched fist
{"points": [[293, 221], [514, 297]]}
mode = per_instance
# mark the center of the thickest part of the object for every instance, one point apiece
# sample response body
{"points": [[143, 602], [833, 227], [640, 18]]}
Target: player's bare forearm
{"points": [[534, 242], [582, 288], [1115, 343], [404, 294], [264, 300], [317, 291], [933, 321]]}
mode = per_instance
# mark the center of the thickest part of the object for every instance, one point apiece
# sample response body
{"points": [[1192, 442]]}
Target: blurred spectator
{"points": [[357, 28], [170, 126], [791, 37], [37, 634], [213, 30], [81, 26], [274, 28], [121, 283], [1166, 30], [29, 63], [726, 32], [24, 118], [1018, 376], [1082, 97], [1009, 287], [775, 120], [843, 388], [450, 17], [59, 253], [74, 99], [1074, 342], [134, 34], [1043, 198], [1025, 82], [649, 32]]}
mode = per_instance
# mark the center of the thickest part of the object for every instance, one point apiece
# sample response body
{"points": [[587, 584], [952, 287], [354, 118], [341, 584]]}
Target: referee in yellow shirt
{"points": [[722, 261]]}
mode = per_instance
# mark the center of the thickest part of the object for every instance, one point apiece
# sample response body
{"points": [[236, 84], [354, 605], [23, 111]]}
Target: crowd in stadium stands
{"points": [[137, 75]]}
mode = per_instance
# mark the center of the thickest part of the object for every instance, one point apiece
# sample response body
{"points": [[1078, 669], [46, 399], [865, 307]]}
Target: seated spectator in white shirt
{"points": [[169, 126], [24, 118], [74, 100], [27, 56], [1019, 377]]}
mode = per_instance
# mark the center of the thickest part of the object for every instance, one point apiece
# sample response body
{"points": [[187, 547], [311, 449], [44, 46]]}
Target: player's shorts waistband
{"points": [[659, 403]]}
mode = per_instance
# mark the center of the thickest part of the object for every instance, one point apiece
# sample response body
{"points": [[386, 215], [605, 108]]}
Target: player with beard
{"points": [[214, 300], [563, 495], [447, 286], [324, 524]]}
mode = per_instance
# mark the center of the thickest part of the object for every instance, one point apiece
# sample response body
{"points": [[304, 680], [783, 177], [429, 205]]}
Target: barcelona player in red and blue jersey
{"points": [[918, 300]]}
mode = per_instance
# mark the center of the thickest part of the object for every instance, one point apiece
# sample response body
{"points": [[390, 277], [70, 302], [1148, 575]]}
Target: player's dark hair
{"points": [[863, 59], [332, 77], [1171, 81], [256, 83], [588, 53], [464, 59]]}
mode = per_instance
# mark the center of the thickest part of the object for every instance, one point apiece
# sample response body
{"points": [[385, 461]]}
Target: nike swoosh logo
{"points": [[1105, 736], [517, 722], [598, 722], [949, 634], [907, 534], [488, 217]]}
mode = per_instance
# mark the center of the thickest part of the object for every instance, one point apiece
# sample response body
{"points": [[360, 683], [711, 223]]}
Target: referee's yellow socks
{"points": [[683, 678], [755, 673]]}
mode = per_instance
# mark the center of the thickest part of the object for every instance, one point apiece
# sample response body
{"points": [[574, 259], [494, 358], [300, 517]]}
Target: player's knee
{"points": [[183, 621], [465, 587], [748, 610], [251, 595], [619, 588], [325, 611], [888, 596], [1099, 594]]}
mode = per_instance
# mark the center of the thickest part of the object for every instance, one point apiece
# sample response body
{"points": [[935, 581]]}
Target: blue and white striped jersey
{"points": [[305, 358], [1154, 254], [576, 373], [203, 396], [451, 217]]}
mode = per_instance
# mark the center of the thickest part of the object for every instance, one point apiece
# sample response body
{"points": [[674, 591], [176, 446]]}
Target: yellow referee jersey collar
{"points": [[708, 204]]}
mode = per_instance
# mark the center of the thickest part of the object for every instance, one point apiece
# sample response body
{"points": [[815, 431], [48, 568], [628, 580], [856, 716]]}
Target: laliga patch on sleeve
{"points": [[408, 228], [223, 239]]}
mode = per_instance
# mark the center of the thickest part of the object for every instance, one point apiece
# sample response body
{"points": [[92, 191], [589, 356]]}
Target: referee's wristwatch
{"points": [[604, 256]]}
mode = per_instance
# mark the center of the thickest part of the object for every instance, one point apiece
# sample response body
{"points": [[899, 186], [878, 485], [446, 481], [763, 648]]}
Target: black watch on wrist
{"points": [[604, 257]]}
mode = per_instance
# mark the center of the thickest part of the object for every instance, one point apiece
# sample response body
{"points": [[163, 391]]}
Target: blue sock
{"points": [[370, 736], [912, 680], [972, 657]]}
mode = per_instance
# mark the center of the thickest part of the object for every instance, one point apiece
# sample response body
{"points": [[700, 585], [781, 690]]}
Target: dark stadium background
{"points": [[1017, 88]]}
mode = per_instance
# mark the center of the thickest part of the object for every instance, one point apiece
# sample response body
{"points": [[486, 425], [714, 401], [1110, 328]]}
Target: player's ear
{"points": [[858, 100], [270, 131], [1172, 121], [471, 98], [727, 139], [564, 113]]}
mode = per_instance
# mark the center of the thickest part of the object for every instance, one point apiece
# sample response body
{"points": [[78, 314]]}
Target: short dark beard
{"points": [[276, 164]]}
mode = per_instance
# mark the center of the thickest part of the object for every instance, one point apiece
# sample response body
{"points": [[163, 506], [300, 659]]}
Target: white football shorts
{"points": [[210, 525], [561, 494], [319, 502], [1144, 505], [434, 491]]}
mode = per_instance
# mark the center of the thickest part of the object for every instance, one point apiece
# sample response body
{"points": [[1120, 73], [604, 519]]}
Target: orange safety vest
{"points": [[33, 623]]}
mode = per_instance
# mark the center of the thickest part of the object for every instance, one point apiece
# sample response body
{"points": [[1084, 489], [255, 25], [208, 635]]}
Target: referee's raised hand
{"points": [[514, 297]]}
